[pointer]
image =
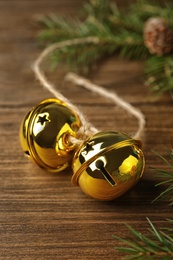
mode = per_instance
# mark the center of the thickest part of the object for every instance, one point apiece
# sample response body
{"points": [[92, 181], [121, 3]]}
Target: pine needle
{"points": [[167, 176], [156, 245]]}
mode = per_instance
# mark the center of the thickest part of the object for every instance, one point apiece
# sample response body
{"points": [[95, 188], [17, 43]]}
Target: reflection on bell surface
{"points": [[107, 165], [44, 134]]}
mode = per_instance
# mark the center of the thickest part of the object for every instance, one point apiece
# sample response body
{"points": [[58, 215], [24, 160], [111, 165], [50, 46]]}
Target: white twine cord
{"points": [[72, 77], [87, 129]]}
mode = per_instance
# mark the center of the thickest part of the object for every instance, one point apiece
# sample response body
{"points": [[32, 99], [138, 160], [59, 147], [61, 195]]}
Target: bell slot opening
{"points": [[100, 166], [27, 153]]}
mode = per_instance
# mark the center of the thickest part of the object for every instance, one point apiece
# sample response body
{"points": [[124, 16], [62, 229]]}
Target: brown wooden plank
{"points": [[42, 216]]}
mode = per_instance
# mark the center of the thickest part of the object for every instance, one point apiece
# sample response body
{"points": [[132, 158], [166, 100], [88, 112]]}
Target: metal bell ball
{"points": [[44, 134], [107, 165]]}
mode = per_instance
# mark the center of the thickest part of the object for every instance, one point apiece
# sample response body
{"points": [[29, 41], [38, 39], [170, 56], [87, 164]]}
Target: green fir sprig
{"points": [[119, 32], [167, 178], [157, 244], [159, 77]]}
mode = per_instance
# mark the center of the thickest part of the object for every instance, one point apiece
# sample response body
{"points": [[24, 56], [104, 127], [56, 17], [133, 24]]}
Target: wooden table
{"points": [[42, 216]]}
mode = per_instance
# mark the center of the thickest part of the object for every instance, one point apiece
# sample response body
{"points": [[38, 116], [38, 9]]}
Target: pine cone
{"points": [[158, 37]]}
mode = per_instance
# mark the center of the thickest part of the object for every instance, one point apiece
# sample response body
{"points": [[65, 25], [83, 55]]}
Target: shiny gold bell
{"points": [[107, 165], [45, 131]]}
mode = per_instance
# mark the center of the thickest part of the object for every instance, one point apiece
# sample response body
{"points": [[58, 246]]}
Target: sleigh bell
{"points": [[45, 132], [107, 165]]}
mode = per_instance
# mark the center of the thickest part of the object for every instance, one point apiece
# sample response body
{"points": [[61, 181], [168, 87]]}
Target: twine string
{"points": [[72, 77], [87, 129]]}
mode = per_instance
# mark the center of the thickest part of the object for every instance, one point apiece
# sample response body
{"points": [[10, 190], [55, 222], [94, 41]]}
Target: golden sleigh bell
{"points": [[105, 166]]}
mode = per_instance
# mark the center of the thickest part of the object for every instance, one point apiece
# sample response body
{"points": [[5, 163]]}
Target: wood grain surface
{"points": [[42, 216]]}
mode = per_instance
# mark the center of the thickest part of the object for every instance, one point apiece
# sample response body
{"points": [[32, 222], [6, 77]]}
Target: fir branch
{"points": [[83, 55], [118, 31], [167, 177], [157, 245], [111, 40], [159, 73]]}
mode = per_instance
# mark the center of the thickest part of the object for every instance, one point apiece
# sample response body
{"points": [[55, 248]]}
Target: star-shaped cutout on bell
{"points": [[42, 119], [89, 147]]}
